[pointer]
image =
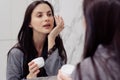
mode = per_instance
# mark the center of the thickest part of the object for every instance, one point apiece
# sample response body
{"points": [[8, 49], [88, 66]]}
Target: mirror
{"points": [[72, 35]]}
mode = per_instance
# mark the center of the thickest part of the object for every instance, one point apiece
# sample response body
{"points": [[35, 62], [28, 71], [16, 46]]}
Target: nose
{"points": [[46, 18]]}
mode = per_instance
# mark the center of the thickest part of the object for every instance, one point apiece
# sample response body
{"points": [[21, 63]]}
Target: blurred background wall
{"points": [[11, 18]]}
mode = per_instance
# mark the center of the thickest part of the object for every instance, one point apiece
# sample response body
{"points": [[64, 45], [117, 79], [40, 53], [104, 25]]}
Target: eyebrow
{"points": [[44, 12]]}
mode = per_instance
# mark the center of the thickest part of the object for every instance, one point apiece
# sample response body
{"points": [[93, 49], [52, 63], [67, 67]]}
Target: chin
{"points": [[47, 32]]}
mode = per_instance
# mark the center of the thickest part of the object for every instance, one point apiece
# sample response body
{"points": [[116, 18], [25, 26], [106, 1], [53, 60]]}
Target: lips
{"points": [[46, 25]]}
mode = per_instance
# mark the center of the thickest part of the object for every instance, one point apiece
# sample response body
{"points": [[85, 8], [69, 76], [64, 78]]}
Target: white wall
{"points": [[11, 17], [73, 33]]}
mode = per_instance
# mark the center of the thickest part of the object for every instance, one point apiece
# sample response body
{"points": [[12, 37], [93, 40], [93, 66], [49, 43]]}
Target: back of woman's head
{"points": [[103, 26]]}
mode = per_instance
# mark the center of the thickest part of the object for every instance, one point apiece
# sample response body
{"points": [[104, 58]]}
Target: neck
{"points": [[39, 40]]}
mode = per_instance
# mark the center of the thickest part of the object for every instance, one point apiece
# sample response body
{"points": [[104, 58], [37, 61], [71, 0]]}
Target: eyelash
{"points": [[39, 16], [49, 15]]}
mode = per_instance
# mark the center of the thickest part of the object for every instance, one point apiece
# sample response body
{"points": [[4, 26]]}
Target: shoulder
{"points": [[15, 52], [101, 64], [87, 69], [87, 64], [104, 52]]}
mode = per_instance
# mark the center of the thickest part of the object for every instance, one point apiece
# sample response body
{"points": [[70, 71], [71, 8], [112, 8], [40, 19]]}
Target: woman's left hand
{"points": [[59, 27], [54, 33]]}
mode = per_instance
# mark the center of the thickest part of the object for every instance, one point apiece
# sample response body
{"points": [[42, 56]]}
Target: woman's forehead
{"points": [[42, 8]]}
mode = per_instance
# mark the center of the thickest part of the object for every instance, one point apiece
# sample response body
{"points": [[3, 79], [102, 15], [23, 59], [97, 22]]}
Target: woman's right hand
{"points": [[61, 76], [33, 70]]}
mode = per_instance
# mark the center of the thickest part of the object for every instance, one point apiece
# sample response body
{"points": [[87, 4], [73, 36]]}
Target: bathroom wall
{"points": [[73, 33], [11, 18]]}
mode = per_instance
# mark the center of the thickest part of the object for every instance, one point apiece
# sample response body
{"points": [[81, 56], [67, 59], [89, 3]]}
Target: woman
{"points": [[102, 42], [38, 37]]}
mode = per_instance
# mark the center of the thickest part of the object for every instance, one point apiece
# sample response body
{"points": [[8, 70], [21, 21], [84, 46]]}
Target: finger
{"points": [[59, 18], [58, 76], [30, 63], [33, 70], [56, 17], [62, 22], [31, 67], [64, 77], [36, 72]]}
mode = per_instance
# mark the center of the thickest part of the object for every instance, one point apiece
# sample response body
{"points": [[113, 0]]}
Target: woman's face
{"points": [[42, 19]]}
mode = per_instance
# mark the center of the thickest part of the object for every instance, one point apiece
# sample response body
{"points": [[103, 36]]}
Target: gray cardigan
{"points": [[15, 64], [102, 65]]}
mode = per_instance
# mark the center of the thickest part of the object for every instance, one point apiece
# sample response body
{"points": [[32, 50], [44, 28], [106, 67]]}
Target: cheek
{"points": [[52, 21], [36, 22]]}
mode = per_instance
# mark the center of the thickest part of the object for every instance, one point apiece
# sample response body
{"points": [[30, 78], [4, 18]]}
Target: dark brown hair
{"points": [[25, 36], [102, 27]]}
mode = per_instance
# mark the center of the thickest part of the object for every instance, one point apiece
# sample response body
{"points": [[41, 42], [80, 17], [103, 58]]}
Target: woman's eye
{"points": [[39, 15], [49, 14]]}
